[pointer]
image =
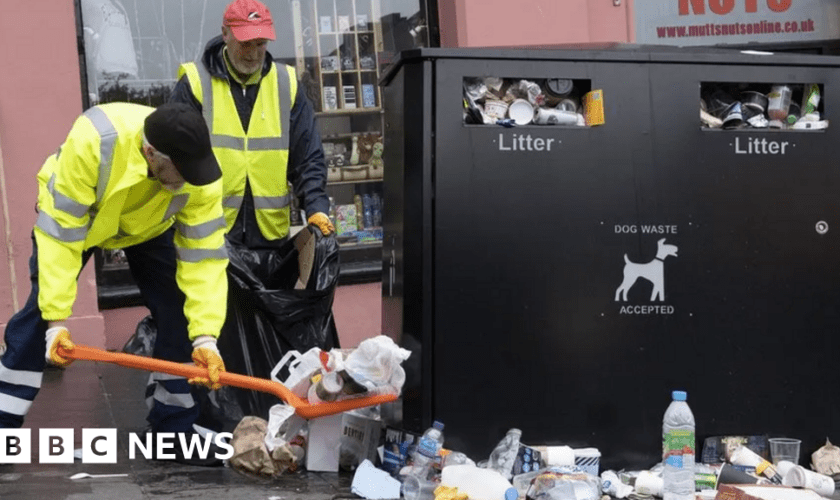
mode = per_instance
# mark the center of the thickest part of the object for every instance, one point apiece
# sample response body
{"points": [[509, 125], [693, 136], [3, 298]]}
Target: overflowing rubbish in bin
{"points": [[524, 101], [780, 106]]}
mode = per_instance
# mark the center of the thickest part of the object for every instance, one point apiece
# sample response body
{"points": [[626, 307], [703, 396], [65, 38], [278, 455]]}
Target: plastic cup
{"points": [[784, 449], [414, 488], [732, 475]]}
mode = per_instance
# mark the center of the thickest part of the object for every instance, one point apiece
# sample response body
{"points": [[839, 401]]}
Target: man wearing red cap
{"points": [[262, 128]]}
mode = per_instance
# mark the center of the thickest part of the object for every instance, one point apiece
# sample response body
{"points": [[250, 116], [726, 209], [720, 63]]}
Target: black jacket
{"points": [[306, 169]]}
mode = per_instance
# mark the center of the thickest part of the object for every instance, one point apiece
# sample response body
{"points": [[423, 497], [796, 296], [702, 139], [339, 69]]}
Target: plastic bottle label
{"points": [[427, 447], [675, 444]]}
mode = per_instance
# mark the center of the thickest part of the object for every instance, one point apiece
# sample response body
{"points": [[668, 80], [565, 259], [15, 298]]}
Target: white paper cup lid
{"points": [[521, 111]]}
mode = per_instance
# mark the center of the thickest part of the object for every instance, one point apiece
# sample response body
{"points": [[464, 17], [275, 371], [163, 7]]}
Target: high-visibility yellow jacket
{"points": [[259, 156], [95, 192]]}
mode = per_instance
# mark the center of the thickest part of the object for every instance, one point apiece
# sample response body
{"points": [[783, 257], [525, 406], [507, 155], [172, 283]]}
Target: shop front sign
{"points": [[718, 22]]}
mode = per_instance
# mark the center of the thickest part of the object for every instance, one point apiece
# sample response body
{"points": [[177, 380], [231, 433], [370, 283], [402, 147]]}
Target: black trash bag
{"points": [[268, 316], [142, 342]]}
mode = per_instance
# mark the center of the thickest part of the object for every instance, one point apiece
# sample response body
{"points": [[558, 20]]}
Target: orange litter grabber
{"points": [[302, 406]]}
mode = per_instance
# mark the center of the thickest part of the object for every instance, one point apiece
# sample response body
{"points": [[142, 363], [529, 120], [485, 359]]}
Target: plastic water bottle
{"points": [[368, 214], [504, 454], [678, 449], [377, 209], [427, 451]]}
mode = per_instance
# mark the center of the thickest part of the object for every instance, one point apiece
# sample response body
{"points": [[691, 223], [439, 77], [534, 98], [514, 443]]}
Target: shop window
{"points": [[763, 106], [532, 101]]}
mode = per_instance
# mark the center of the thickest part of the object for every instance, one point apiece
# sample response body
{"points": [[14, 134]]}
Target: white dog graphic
{"points": [[652, 271]]}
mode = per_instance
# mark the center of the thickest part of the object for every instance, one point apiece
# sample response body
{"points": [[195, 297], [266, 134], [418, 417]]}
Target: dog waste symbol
{"points": [[653, 271]]}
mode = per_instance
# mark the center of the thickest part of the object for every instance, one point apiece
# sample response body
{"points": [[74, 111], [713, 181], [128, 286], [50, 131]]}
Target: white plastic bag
{"points": [[301, 369], [375, 364], [283, 426]]}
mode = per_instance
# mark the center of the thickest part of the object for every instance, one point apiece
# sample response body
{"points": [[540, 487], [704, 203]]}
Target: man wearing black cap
{"points": [[146, 181]]}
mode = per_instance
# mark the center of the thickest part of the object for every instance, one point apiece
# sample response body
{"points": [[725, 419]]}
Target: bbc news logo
{"points": [[99, 446]]}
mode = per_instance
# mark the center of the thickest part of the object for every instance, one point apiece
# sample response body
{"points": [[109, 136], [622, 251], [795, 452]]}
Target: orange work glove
{"points": [[322, 222], [206, 355], [58, 336]]}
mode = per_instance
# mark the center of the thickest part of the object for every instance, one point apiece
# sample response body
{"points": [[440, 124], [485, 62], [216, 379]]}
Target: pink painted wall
{"points": [[502, 23], [40, 96]]}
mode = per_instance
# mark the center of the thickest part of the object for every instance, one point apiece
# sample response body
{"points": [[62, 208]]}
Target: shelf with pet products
{"points": [[354, 157], [347, 39], [337, 48]]}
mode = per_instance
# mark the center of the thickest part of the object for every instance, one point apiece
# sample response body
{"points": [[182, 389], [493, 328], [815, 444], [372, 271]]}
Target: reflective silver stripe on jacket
{"points": [[200, 230], [234, 201], [107, 141], [272, 201], [68, 235], [65, 203], [199, 254], [178, 202], [254, 144], [227, 142], [265, 143], [283, 89]]}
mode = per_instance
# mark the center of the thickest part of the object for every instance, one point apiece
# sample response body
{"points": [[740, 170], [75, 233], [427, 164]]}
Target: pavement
{"points": [[104, 396]]}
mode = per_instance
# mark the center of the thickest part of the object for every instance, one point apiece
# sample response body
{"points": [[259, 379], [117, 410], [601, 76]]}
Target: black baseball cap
{"points": [[179, 131]]}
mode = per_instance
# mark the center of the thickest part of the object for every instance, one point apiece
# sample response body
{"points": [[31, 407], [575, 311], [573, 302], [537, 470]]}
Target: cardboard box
{"points": [[360, 437], [763, 492], [324, 443], [345, 219], [398, 446], [527, 460]]}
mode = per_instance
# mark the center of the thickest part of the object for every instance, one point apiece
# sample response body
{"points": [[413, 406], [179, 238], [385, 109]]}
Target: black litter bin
{"points": [[564, 279]]}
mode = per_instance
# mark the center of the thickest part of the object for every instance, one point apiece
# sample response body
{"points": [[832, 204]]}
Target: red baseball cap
{"points": [[249, 19]]}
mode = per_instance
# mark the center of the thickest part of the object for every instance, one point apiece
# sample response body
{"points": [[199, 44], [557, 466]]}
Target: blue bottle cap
{"points": [[679, 395], [438, 425], [511, 494]]}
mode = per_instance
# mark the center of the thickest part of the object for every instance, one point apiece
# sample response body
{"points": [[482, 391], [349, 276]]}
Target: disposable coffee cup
{"points": [[567, 105], [746, 457], [553, 116], [733, 475], [648, 483], [784, 449], [804, 478], [521, 111], [495, 108]]}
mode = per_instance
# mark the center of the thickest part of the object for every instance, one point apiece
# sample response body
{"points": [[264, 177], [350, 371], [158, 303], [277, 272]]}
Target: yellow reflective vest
{"points": [[261, 156], [95, 192]]}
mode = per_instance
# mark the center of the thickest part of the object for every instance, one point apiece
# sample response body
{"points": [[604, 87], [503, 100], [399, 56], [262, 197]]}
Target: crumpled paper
{"points": [[374, 484], [826, 460], [251, 453]]}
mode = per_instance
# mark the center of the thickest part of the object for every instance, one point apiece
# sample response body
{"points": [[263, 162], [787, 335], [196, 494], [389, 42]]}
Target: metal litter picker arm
{"points": [[302, 406]]}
